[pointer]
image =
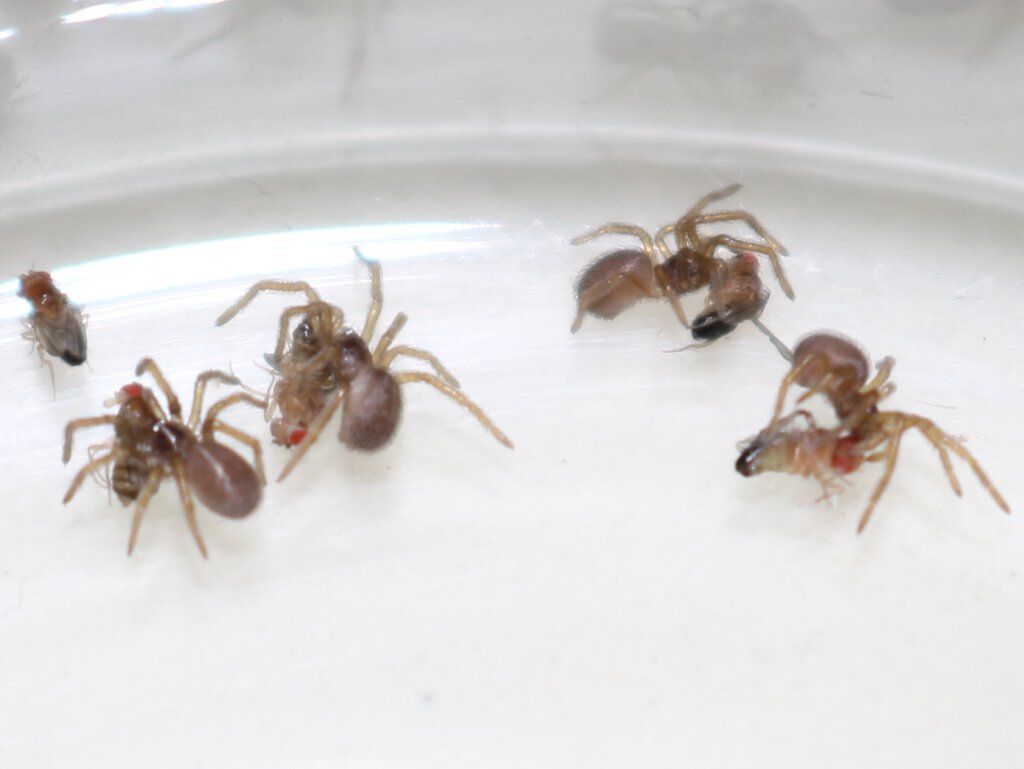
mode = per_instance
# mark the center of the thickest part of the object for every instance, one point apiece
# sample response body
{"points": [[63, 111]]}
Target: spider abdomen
{"points": [[372, 410]]}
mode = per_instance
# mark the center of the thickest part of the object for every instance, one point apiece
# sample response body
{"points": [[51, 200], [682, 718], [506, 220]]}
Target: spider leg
{"points": [[939, 439], [330, 316], [152, 484], [223, 403], [388, 337], [891, 454], [241, 437], [711, 245], [81, 424], [746, 218], [662, 244], [294, 286], [173, 404], [200, 390], [787, 381], [376, 294], [419, 376], [186, 501], [710, 198], [784, 351], [414, 352], [87, 470], [673, 298], [312, 434], [617, 228]]}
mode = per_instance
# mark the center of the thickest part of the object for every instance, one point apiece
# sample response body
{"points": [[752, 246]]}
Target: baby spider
{"points": [[323, 364], [835, 367], [54, 325], [149, 445], [618, 280]]}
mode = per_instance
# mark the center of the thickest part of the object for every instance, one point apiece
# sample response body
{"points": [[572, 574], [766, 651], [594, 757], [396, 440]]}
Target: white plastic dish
{"points": [[611, 592]]}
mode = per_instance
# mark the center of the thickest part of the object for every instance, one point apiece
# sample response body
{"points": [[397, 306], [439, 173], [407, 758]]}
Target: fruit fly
{"points": [[55, 325], [322, 365], [836, 368], [615, 282], [151, 444]]}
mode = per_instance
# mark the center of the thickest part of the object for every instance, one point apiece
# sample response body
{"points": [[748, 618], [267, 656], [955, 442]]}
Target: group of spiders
{"points": [[824, 363], [320, 365]]}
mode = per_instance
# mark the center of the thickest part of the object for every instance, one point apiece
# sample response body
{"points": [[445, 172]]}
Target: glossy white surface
{"points": [[611, 592]]}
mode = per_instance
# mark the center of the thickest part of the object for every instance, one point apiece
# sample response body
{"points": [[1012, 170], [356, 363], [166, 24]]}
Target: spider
{"points": [[835, 367], [149, 445], [322, 365], [618, 280]]}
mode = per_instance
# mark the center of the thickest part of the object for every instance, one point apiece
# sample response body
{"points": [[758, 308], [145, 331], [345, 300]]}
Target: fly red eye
{"points": [[296, 437], [845, 458], [133, 390]]}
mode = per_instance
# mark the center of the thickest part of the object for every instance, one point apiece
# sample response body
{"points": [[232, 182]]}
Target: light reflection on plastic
{"points": [[132, 8], [7, 32], [271, 255]]}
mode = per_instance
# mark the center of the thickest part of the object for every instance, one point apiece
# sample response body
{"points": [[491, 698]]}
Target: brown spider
{"points": [[149, 446], [618, 280], [835, 367], [328, 364]]}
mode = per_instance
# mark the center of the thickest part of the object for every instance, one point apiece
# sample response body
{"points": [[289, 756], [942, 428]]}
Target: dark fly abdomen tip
{"points": [[709, 326], [744, 466], [72, 357]]}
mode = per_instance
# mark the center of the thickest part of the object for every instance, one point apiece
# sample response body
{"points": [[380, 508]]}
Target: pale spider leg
{"points": [[248, 440], [673, 298], [210, 424], [686, 227], [223, 403], [85, 472], [173, 404], [787, 382], [415, 352], [152, 484], [186, 500], [293, 286], [199, 390], [932, 432], [406, 377], [81, 424], [328, 314], [737, 245], [270, 397], [102, 479], [388, 337], [154, 404], [662, 244], [784, 351], [312, 434], [823, 386], [376, 294], [617, 228], [885, 367], [710, 198], [891, 454], [598, 290], [659, 274], [746, 218]]}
